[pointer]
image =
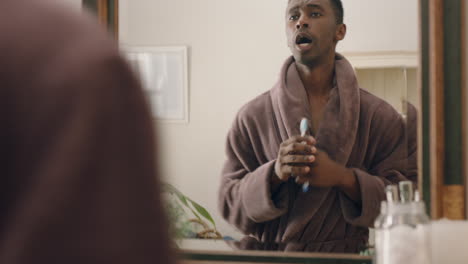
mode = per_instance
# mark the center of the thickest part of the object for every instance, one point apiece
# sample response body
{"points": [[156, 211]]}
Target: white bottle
{"points": [[402, 229]]}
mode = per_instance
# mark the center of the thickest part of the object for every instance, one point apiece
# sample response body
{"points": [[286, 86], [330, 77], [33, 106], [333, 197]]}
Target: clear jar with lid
{"points": [[402, 233]]}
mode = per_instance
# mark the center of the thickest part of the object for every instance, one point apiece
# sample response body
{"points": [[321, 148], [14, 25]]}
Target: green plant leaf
{"points": [[194, 213], [173, 190], [201, 210]]}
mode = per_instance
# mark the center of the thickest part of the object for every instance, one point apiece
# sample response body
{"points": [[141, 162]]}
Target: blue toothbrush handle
{"points": [[304, 128]]}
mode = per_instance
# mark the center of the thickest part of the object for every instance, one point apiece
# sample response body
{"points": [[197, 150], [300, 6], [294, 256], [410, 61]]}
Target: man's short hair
{"points": [[339, 12], [338, 8]]}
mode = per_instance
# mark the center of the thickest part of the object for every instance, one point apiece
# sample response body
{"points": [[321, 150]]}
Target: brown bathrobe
{"points": [[358, 130], [78, 181]]}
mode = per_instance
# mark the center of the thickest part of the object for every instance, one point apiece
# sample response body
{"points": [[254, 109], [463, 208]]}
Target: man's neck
{"points": [[318, 79]]}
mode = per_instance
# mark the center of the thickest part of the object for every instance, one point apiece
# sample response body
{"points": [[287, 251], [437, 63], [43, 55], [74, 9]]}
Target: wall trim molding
{"points": [[383, 59]]}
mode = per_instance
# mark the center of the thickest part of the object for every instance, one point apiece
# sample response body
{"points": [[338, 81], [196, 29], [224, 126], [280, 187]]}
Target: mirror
{"points": [[236, 50]]}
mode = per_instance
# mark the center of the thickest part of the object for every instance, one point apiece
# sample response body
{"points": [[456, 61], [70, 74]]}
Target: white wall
{"points": [[394, 85], [235, 53], [236, 49], [380, 25]]}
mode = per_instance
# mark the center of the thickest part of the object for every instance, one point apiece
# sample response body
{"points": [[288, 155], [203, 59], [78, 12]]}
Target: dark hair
{"points": [[338, 8]]}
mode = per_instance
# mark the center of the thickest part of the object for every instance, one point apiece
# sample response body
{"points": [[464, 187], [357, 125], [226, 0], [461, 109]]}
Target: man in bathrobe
{"points": [[358, 144]]}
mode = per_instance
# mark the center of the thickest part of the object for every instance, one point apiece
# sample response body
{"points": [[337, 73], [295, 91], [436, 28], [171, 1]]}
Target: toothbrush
{"points": [[406, 191], [391, 192], [304, 127], [417, 196]]}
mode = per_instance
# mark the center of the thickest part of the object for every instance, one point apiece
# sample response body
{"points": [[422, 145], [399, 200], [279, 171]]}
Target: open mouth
{"points": [[303, 40]]}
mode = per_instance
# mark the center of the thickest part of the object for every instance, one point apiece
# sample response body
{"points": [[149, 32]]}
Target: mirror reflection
{"points": [[245, 164]]}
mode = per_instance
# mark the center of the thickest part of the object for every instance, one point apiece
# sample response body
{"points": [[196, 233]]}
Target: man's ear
{"points": [[340, 32]]}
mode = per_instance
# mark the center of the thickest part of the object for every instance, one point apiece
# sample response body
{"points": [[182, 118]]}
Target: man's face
{"points": [[311, 30]]}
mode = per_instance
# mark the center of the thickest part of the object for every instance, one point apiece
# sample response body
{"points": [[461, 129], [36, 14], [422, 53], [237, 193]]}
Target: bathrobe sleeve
{"points": [[392, 148], [245, 199]]}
